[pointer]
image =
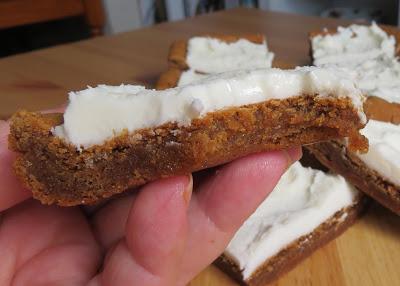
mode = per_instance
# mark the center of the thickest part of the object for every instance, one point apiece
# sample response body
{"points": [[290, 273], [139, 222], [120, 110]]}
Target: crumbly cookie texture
{"points": [[58, 173]]}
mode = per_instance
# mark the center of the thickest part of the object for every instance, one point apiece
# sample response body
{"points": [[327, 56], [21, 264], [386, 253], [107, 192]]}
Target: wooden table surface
{"points": [[367, 254]]}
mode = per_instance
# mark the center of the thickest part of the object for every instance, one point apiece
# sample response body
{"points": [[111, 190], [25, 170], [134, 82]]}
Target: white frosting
{"points": [[356, 43], [190, 76], [377, 77], [210, 55], [367, 53], [96, 114], [384, 149], [303, 199]]}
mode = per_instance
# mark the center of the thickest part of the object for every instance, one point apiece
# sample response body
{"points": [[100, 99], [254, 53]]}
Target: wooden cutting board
{"points": [[368, 253]]}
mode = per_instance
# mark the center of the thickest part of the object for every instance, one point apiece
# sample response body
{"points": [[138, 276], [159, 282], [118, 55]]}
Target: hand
{"points": [[163, 234]]}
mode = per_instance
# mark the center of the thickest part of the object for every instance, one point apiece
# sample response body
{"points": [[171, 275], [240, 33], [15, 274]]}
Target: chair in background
{"points": [[14, 13]]}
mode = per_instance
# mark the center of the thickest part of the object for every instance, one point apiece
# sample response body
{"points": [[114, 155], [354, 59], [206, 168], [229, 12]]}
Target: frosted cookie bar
{"points": [[377, 172], [353, 44], [306, 210], [201, 56], [368, 53], [376, 71], [221, 53], [113, 138]]}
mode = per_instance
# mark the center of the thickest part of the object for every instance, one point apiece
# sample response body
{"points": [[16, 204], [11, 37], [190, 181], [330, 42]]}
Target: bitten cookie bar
{"points": [[220, 53], [114, 138], [307, 209]]}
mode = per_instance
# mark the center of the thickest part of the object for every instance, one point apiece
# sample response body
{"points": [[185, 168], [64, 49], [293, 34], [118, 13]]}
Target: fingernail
{"points": [[293, 155], [187, 194]]}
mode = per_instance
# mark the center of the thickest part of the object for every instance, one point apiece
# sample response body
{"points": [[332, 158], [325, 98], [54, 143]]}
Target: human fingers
{"points": [[220, 205], [46, 245], [155, 236], [11, 190], [109, 222], [228, 197]]}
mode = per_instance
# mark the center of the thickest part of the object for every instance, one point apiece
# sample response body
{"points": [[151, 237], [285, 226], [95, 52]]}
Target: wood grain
{"points": [[367, 254]]}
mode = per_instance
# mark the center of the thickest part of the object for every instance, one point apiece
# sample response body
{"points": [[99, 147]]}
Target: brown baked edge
{"points": [[178, 50], [337, 158], [169, 79], [298, 250], [57, 172], [379, 109]]}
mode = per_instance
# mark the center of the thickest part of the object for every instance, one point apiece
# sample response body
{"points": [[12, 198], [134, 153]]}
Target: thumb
{"points": [[11, 190], [156, 233]]}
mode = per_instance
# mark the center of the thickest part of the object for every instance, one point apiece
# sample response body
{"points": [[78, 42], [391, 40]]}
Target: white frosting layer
{"points": [[384, 149], [368, 53], [190, 76], [210, 55], [303, 199], [96, 114], [356, 43], [378, 77]]}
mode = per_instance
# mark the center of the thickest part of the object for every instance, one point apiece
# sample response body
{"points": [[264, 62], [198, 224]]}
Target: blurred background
{"points": [[27, 25]]}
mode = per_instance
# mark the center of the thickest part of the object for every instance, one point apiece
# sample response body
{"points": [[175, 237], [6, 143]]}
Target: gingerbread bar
{"points": [[369, 54], [376, 70], [355, 43], [377, 172], [114, 138], [307, 209], [220, 53], [201, 56]]}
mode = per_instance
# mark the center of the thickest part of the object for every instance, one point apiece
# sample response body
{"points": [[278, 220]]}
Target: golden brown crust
{"points": [[297, 251], [379, 109], [337, 158], [57, 173], [178, 49], [169, 79]]}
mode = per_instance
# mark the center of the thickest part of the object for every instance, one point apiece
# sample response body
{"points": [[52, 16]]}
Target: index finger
{"points": [[11, 190]]}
